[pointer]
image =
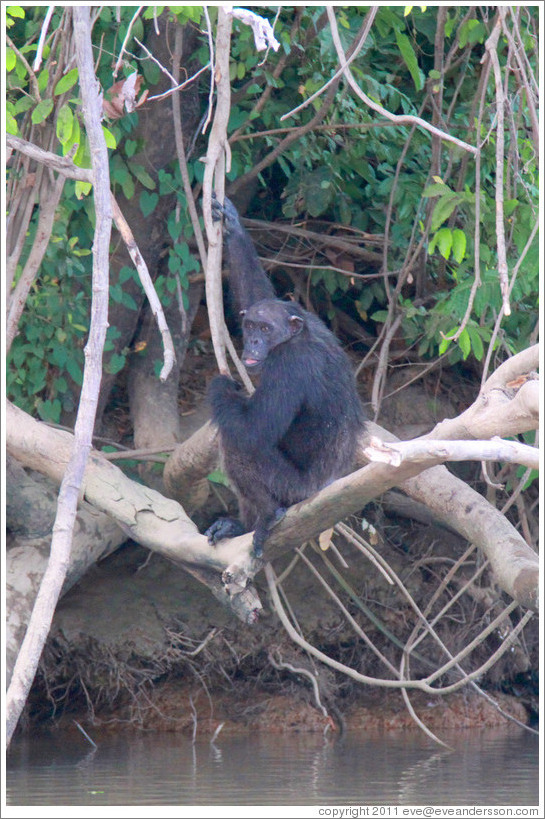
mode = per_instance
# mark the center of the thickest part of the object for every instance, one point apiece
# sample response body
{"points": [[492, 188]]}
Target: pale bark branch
{"points": [[399, 119], [147, 283], [180, 149], [433, 451], [149, 518], [214, 171], [59, 560], [491, 47]]}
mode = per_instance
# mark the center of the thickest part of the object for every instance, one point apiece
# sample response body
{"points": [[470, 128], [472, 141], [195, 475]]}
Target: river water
{"points": [[485, 767]]}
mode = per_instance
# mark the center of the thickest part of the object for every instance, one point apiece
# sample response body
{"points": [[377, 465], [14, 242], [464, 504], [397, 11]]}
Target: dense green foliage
{"points": [[353, 169]]}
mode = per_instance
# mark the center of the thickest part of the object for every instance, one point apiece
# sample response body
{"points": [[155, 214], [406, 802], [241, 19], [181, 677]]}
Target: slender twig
{"points": [[477, 225], [269, 44], [524, 68], [217, 157], [19, 221], [147, 283], [180, 149], [397, 118], [303, 672], [371, 14], [43, 35], [491, 47], [156, 61], [355, 625], [126, 40], [212, 69], [420, 684], [181, 86], [31, 75], [497, 323]]}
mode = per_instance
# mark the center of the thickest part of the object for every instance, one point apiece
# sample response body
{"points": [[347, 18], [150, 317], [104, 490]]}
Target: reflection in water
{"points": [[492, 767]]}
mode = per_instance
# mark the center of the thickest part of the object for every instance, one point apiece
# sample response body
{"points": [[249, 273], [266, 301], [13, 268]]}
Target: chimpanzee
{"points": [[299, 430]]}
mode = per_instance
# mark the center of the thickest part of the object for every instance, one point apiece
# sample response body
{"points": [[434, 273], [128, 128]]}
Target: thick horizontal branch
{"points": [[62, 164], [156, 522]]}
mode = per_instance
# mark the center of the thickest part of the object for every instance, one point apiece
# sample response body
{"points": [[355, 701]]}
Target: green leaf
{"points": [[111, 141], [437, 189], [50, 410], [174, 229], [22, 105], [128, 188], [142, 175], [443, 209], [443, 240], [11, 124], [446, 342], [152, 11], [317, 190], [115, 364], [75, 371], [67, 82], [464, 342], [15, 11], [42, 111], [127, 273], [83, 155], [43, 79], [459, 242], [82, 189], [476, 342], [75, 137], [128, 302], [174, 263], [509, 206], [116, 292], [217, 476], [148, 202], [407, 52], [11, 59], [65, 124]]}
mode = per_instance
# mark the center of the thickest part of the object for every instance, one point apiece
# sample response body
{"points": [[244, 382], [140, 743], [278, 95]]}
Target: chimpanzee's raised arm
{"points": [[247, 279]]}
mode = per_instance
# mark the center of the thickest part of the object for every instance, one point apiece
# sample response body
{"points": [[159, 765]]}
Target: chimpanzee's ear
{"points": [[296, 324]]}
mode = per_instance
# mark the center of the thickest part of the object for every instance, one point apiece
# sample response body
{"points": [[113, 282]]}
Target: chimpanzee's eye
{"points": [[265, 328]]}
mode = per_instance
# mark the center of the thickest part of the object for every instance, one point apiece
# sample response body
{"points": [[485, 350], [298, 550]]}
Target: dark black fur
{"points": [[299, 430]]}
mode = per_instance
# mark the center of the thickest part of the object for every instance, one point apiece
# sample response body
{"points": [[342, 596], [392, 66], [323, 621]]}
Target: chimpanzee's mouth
{"points": [[251, 363]]}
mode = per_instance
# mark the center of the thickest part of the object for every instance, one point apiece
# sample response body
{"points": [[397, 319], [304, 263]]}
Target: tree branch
{"points": [[147, 283], [149, 518], [491, 47], [432, 451], [400, 119], [215, 169], [53, 579]]}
